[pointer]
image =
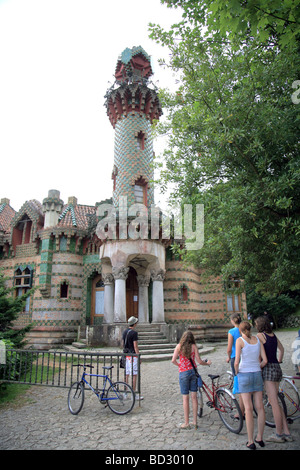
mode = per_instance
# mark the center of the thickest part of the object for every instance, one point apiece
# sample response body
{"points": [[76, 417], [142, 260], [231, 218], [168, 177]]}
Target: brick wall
{"points": [[205, 298]]}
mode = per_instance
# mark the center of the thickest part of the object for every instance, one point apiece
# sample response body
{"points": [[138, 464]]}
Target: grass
{"points": [[13, 393]]}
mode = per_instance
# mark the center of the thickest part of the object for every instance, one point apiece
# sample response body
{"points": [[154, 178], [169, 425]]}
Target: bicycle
{"points": [[222, 400], [119, 396], [267, 405], [291, 396]]}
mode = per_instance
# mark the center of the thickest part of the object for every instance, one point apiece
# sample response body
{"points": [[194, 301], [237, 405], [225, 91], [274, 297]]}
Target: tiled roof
{"points": [[76, 216], [7, 213], [33, 209]]}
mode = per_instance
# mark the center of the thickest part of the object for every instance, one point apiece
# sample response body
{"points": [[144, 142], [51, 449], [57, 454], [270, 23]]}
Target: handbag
{"points": [[235, 385], [125, 350], [199, 380]]}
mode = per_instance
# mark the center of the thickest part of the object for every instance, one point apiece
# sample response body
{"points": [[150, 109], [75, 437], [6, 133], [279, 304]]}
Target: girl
{"points": [[272, 375], [250, 358], [186, 350]]}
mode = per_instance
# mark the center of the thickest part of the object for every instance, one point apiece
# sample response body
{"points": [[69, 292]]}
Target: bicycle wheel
{"points": [[268, 408], [120, 398], [200, 402], [291, 396], [229, 410], [76, 397]]}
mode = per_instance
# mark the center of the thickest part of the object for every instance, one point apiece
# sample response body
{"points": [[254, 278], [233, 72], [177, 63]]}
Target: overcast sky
{"points": [[57, 58]]}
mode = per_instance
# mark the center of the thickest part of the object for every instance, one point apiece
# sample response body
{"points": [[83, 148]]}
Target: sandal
{"points": [[260, 443], [185, 426], [251, 446]]}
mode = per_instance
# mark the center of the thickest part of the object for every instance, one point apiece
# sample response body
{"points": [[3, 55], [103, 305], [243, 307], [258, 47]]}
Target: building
{"points": [[95, 266]]}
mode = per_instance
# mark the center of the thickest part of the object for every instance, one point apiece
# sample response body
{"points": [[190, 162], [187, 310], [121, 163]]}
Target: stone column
{"points": [[108, 281], [143, 282], [158, 312], [120, 276]]}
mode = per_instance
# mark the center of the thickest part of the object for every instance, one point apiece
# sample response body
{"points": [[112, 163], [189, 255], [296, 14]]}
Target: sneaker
{"points": [[275, 438], [287, 437]]}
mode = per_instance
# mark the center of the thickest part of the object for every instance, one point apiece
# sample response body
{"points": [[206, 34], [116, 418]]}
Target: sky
{"points": [[57, 59]]}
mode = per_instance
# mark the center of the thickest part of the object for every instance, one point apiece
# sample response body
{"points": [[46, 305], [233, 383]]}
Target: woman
{"points": [[187, 350], [272, 376], [250, 358], [233, 335]]}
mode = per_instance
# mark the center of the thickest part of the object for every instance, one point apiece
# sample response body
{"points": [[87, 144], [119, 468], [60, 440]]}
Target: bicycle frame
{"points": [[97, 392], [211, 394]]}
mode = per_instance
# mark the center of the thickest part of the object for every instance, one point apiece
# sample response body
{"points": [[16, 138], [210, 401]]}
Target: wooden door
{"points": [[132, 295]]}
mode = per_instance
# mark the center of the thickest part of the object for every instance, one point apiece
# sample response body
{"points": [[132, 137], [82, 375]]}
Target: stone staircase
{"points": [[154, 346]]}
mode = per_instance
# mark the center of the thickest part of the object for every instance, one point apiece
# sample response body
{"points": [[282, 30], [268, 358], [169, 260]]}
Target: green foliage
{"points": [[10, 307], [233, 140], [280, 308]]}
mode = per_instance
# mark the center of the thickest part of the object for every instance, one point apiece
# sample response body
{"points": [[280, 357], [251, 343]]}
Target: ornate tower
{"points": [[131, 107], [134, 261]]}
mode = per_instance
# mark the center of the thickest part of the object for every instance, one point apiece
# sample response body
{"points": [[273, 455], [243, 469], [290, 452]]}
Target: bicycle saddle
{"points": [[213, 376]]}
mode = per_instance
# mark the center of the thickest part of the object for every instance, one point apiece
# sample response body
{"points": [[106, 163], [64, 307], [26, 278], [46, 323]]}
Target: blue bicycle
{"points": [[119, 396]]}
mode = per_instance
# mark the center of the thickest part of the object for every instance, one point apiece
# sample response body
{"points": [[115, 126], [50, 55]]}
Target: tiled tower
{"points": [[132, 106]]}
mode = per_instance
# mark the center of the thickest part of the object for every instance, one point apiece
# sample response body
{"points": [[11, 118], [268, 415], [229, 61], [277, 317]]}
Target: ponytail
{"points": [[236, 317], [245, 328]]}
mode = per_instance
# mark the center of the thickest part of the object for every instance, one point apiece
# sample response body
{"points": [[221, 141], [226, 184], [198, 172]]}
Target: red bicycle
{"points": [[222, 400]]}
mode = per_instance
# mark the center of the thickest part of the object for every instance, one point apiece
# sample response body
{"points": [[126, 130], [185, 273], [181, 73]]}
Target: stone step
{"points": [[154, 341], [150, 334], [168, 356], [145, 347]]}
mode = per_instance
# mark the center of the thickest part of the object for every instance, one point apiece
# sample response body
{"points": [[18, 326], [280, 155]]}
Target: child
{"points": [[186, 350]]}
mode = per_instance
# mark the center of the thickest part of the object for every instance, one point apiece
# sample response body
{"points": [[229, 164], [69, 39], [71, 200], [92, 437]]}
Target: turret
{"points": [[132, 106]]}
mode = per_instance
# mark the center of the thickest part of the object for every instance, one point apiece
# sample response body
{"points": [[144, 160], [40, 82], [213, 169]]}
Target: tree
{"points": [[233, 145], [10, 307]]}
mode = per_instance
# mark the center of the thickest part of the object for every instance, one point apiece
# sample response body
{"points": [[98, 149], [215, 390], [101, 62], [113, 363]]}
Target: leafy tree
{"points": [[276, 22], [10, 307], [233, 143]]}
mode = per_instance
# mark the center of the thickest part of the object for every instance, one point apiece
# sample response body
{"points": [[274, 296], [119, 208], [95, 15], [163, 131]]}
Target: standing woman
{"points": [[272, 376], [233, 335], [250, 358], [187, 351]]}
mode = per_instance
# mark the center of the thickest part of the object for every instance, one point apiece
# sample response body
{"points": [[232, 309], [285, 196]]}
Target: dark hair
{"points": [[236, 317], [263, 324], [245, 328]]}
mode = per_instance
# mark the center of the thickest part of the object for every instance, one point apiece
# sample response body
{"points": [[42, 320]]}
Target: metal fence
{"points": [[59, 368]]}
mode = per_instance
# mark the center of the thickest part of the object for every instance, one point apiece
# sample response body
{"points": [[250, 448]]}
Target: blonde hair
{"points": [[186, 342], [245, 328]]}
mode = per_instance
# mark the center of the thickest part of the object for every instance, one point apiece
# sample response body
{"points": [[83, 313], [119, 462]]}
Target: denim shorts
{"points": [[188, 382], [250, 382]]}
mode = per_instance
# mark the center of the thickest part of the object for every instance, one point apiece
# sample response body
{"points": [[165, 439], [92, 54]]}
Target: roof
{"points": [[7, 213], [76, 216]]}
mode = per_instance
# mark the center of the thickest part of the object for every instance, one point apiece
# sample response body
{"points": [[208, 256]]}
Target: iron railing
{"points": [[57, 368]]}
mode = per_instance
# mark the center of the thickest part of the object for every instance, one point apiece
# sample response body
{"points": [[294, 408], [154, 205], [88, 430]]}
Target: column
{"points": [[120, 276], [158, 312], [108, 281], [143, 282]]}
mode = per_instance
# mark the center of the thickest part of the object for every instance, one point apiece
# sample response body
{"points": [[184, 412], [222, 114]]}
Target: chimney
{"points": [[52, 207]]}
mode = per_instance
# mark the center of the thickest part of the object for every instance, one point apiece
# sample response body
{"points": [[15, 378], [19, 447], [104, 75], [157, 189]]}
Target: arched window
{"points": [[233, 298], [22, 283], [64, 290], [140, 191]]}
